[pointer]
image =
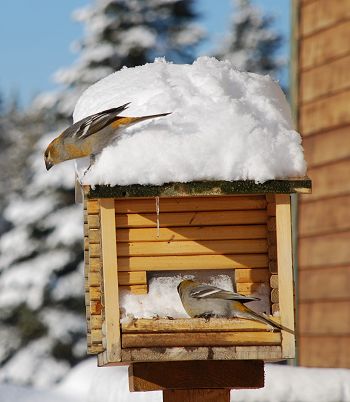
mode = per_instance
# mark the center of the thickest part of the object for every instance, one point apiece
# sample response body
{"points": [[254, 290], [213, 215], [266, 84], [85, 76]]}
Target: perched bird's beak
{"points": [[48, 165]]}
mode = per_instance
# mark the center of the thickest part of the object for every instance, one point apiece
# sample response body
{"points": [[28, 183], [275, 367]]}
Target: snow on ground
{"points": [[224, 125], [88, 383]]}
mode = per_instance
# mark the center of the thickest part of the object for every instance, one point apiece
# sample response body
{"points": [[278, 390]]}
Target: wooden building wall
{"points": [[322, 36]]}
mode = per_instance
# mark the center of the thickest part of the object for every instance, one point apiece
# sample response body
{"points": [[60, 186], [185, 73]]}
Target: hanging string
{"points": [[157, 210]]}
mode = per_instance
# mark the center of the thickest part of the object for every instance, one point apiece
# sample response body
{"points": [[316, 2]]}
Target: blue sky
{"points": [[36, 36]]}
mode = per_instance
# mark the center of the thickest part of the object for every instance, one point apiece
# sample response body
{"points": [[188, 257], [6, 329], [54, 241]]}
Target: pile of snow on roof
{"points": [[224, 125]]}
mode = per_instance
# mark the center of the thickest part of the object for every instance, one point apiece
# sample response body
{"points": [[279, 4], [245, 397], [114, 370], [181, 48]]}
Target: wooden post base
{"points": [[194, 376], [196, 395]]}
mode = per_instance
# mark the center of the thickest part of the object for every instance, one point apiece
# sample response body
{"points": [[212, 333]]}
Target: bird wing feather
{"points": [[212, 292], [96, 122]]}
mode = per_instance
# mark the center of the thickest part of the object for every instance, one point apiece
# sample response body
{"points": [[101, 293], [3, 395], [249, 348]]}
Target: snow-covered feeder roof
{"points": [[224, 125]]}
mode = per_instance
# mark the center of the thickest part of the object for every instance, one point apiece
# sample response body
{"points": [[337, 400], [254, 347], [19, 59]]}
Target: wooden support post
{"points": [[196, 381], [196, 395], [110, 279], [285, 272]]}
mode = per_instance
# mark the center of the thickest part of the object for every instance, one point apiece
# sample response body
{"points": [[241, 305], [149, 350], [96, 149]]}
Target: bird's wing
{"points": [[96, 122], [212, 292]]}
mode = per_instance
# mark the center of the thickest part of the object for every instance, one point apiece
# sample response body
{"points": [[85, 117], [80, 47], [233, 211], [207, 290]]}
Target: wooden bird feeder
{"points": [[239, 226]]}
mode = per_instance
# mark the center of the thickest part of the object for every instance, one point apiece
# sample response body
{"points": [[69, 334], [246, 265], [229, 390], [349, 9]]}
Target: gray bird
{"points": [[202, 300]]}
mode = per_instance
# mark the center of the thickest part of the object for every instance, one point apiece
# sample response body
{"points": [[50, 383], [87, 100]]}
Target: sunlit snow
{"points": [[224, 125]]}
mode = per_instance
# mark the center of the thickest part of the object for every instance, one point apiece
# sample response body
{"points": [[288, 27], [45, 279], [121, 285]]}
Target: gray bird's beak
{"points": [[48, 165]]}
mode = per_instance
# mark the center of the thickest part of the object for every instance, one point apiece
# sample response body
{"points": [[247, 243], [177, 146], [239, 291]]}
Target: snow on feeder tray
{"points": [[134, 233]]}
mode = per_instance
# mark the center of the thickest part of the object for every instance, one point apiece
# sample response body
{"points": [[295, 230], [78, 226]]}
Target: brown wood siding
{"points": [[323, 105]]}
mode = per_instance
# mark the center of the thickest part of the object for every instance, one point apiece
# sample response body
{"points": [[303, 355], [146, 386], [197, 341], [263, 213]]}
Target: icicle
{"points": [[157, 210]]}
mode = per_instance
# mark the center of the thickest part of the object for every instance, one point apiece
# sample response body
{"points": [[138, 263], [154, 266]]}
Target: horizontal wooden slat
{"points": [[322, 14], [325, 284], [191, 219], [94, 235], [275, 295], [132, 278], [274, 281], [135, 289], [95, 264], [251, 275], [324, 351], [95, 322], [94, 349], [96, 336], [95, 293], [327, 147], [200, 339], [191, 247], [324, 318], [325, 114], [325, 45], [326, 250], [329, 181], [95, 307], [93, 221], [182, 204], [250, 288], [192, 262], [93, 207], [192, 325], [94, 279], [324, 80], [202, 353], [94, 249], [335, 213], [192, 233]]}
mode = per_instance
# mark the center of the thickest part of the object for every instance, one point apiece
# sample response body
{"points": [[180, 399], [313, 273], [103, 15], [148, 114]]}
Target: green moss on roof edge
{"points": [[287, 186]]}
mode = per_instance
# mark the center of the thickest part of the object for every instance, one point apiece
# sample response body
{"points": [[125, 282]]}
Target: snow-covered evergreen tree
{"points": [[42, 325], [41, 282], [125, 33], [252, 42], [18, 133]]}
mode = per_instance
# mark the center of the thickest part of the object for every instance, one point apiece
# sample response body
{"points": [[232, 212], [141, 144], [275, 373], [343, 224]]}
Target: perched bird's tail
{"points": [[248, 313], [128, 121]]}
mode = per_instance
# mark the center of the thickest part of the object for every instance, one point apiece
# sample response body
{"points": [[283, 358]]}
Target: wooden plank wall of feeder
{"points": [[195, 233], [93, 276], [227, 232], [272, 243], [322, 81]]}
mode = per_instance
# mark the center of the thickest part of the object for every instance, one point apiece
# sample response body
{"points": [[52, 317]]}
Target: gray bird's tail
{"points": [[129, 121], [262, 318]]}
